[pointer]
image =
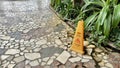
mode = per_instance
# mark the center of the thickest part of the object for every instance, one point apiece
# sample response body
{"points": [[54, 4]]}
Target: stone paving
{"points": [[32, 36]]}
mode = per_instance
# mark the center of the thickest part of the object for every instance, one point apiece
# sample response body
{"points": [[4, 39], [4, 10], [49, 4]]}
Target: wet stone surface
{"points": [[17, 35], [114, 59], [50, 51], [2, 51], [32, 36]]}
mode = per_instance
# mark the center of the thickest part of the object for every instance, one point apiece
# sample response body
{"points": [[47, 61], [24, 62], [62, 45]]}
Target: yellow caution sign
{"points": [[77, 44]]}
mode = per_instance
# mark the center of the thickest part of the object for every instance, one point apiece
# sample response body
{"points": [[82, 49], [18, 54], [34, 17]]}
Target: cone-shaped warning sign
{"points": [[77, 44]]}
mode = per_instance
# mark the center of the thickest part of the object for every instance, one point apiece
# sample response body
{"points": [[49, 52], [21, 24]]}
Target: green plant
{"points": [[104, 15], [115, 37], [66, 9], [102, 18]]}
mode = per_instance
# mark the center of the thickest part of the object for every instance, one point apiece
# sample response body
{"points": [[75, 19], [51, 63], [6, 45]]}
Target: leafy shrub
{"points": [[66, 9], [102, 18]]}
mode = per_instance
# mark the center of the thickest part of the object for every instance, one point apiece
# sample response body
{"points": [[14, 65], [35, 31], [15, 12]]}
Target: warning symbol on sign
{"points": [[77, 40]]}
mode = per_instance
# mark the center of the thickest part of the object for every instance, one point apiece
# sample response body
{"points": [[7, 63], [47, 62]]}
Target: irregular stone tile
{"points": [[74, 65], [43, 63], [27, 62], [17, 41], [46, 66], [61, 66], [105, 57], [59, 27], [53, 57], [20, 65], [105, 61], [55, 64], [56, 54], [85, 60], [0, 66], [86, 43], [32, 40], [34, 63], [41, 42], [25, 31], [99, 55], [22, 53], [52, 50], [0, 61], [58, 42], [5, 42], [27, 66], [102, 53], [38, 66], [32, 56], [45, 59], [3, 57], [109, 65], [104, 67], [5, 37], [12, 39], [11, 65], [15, 35], [68, 64], [22, 48], [79, 65], [26, 51], [80, 55], [17, 55], [114, 59], [63, 57], [44, 46], [50, 61], [90, 64], [76, 59], [29, 48], [98, 50], [10, 58], [2, 51], [91, 46], [98, 59], [39, 60], [12, 62], [5, 64], [22, 40], [102, 63], [89, 51], [4, 61], [19, 59], [37, 49], [12, 51], [87, 57]]}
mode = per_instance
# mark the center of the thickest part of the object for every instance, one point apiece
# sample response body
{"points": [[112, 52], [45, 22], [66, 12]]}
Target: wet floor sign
{"points": [[77, 44]]}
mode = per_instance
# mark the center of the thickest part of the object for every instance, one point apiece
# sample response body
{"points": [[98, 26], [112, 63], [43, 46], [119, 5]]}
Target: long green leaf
{"points": [[86, 1], [114, 2], [52, 2], [90, 19], [98, 2], [103, 14], [101, 17], [107, 25], [116, 16]]}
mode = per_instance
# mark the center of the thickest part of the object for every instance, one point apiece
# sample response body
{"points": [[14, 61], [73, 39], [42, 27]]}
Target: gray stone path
{"points": [[32, 36]]}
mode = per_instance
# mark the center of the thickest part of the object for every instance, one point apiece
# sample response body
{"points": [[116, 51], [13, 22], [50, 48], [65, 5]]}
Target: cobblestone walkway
{"points": [[32, 36]]}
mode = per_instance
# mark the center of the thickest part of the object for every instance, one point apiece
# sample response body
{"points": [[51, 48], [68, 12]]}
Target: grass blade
{"points": [[101, 17], [116, 16], [90, 19], [107, 25]]}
